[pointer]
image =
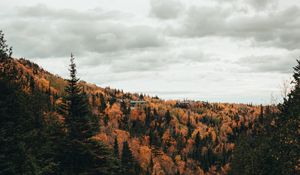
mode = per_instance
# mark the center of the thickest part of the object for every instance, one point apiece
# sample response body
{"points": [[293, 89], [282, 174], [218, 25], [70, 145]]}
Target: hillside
{"points": [[165, 137]]}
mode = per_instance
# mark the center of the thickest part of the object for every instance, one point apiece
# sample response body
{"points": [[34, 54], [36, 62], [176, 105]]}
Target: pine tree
{"points": [[5, 50], [127, 160], [78, 118], [116, 148], [80, 154], [189, 127], [102, 103], [197, 147], [168, 116]]}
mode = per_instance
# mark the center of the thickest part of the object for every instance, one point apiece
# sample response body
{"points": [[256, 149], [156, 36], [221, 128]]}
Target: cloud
{"points": [[262, 4], [166, 9], [39, 31], [271, 28], [245, 5], [150, 60], [270, 63], [234, 46]]}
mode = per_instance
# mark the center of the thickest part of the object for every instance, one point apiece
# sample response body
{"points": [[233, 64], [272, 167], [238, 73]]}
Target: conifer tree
{"points": [[189, 127], [197, 147], [128, 161], [78, 118], [168, 116], [80, 154], [116, 148], [5, 50], [102, 106]]}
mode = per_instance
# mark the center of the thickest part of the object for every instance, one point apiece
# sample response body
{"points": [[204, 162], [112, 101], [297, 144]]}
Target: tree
{"points": [[116, 148], [189, 127], [128, 161], [168, 116], [5, 50], [78, 119], [102, 106], [197, 148], [80, 154], [24, 147]]}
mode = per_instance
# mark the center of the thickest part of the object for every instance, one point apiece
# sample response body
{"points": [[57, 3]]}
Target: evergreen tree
{"points": [[197, 148], [128, 161], [78, 118], [102, 103], [189, 127], [168, 116], [116, 148], [79, 153], [5, 50]]}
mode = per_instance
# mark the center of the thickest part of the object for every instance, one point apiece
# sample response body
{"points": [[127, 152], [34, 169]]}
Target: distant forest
{"points": [[51, 126]]}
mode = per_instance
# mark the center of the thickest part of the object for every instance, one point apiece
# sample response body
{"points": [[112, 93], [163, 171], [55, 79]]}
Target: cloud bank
{"points": [[163, 46]]}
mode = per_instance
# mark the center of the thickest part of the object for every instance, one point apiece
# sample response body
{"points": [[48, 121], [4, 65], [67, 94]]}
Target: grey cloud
{"points": [[43, 11], [262, 4], [275, 29], [166, 9], [33, 34], [150, 60], [259, 5], [269, 63], [134, 61]]}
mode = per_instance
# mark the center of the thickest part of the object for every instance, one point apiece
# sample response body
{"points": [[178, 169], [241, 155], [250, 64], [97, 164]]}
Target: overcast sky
{"points": [[210, 50]]}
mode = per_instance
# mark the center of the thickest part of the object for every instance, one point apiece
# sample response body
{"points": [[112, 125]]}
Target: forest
{"points": [[50, 125]]}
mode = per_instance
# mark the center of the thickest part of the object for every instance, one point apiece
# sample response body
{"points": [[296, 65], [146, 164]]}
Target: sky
{"points": [[238, 51]]}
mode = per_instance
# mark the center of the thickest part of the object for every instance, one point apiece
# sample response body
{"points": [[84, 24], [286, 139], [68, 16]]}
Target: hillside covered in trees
{"points": [[51, 125]]}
